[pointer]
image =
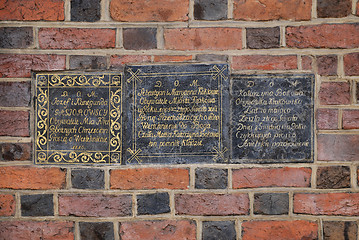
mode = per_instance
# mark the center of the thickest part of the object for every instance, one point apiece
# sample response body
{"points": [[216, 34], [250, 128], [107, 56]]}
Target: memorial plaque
{"points": [[78, 118], [176, 114], [272, 118]]}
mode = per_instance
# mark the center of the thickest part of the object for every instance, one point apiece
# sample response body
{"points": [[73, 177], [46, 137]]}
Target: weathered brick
{"points": [[149, 11], [264, 62], [333, 177], [14, 94], [334, 93], [274, 230], [14, 123], [351, 119], [139, 38], [211, 178], [172, 58], [327, 65], [95, 205], [334, 8], [32, 178], [327, 119], [219, 230], [340, 230], [155, 203], [16, 37], [32, 10], [263, 37], [15, 151], [7, 205], [272, 10], [203, 38], [271, 177], [334, 147], [351, 64], [271, 203], [210, 9], [159, 230], [88, 62], [36, 230], [150, 178], [117, 61], [323, 36], [327, 204], [76, 38], [97, 230], [307, 63], [85, 11], [20, 65], [88, 178], [212, 204], [211, 58], [37, 205]]}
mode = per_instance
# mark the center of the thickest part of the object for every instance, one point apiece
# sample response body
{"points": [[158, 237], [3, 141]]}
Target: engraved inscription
{"points": [[272, 118]]}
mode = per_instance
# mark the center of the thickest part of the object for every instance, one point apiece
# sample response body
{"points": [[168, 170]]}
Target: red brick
{"points": [[172, 58], [20, 177], [271, 177], [76, 38], [264, 62], [274, 230], [327, 119], [7, 205], [307, 63], [351, 64], [149, 11], [32, 10], [95, 205], [334, 147], [20, 65], [48, 230], [159, 230], [323, 36], [212, 204], [120, 60], [334, 93], [203, 38], [327, 65], [351, 119], [357, 9], [327, 204], [150, 178], [14, 123], [272, 10]]}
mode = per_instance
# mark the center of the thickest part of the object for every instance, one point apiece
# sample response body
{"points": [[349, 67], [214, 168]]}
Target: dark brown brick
{"points": [[219, 230], [97, 230], [85, 11], [88, 178], [37, 205], [14, 94], [156, 203], [334, 8], [211, 178], [271, 203], [139, 38], [333, 177], [88, 62], [340, 230], [15, 151], [258, 38], [14, 123], [334, 93], [210, 9], [327, 65], [16, 37]]}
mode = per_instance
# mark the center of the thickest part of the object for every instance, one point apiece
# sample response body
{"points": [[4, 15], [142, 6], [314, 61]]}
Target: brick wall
{"points": [[317, 200]]}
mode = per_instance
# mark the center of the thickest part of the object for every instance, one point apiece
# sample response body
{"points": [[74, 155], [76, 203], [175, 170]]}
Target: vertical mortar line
{"points": [[354, 176], [299, 62], [160, 38], [340, 67], [291, 201], [244, 38], [313, 182], [190, 11], [314, 9], [56, 204], [119, 39], [77, 231], [238, 226], [107, 179], [355, 84], [353, 91], [320, 230], [67, 62], [282, 36], [152, 58], [230, 9], [116, 230], [230, 186], [316, 105], [340, 118], [354, 8], [105, 10], [192, 176], [172, 203], [251, 203], [68, 179], [17, 205], [108, 61], [35, 32], [199, 229], [134, 205], [67, 8]]}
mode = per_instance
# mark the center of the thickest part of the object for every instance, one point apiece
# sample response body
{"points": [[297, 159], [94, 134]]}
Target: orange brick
{"points": [[20, 177], [203, 38], [327, 204], [264, 62], [120, 60], [150, 178], [172, 58], [76, 38], [271, 177], [275, 230], [149, 10], [7, 205]]}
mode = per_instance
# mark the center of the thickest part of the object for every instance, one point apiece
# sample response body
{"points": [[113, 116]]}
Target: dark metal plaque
{"points": [[176, 114], [78, 118], [272, 118]]}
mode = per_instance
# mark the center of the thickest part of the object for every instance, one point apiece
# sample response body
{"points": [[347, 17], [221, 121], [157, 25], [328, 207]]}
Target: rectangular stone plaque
{"points": [[78, 118], [176, 114], [272, 118]]}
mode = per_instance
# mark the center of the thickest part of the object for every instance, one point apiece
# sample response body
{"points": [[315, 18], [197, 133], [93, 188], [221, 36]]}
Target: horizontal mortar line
{"points": [[334, 78], [343, 132], [15, 79], [9, 139], [15, 108], [343, 107]]}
